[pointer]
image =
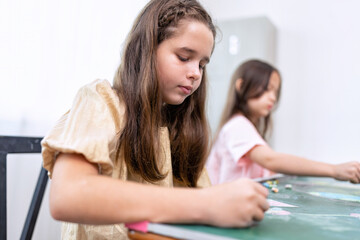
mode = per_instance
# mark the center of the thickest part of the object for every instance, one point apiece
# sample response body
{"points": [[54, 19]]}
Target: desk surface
{"points": [[324, 209]]}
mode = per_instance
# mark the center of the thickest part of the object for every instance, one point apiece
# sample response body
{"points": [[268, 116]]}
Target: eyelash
{"points": [[186, 59], [183, 59]]}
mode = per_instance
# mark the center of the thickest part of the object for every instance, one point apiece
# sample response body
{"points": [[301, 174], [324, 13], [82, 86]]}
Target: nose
{"points": [[273, 96], [194, 72]]}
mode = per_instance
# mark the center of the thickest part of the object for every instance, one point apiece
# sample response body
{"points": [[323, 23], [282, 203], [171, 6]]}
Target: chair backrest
{"points": [[15, 145]]}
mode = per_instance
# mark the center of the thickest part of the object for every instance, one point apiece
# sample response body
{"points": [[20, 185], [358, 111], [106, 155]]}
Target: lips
{"points": [[186, 89]]}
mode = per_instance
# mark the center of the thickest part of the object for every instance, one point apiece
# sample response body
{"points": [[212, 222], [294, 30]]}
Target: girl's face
{"points": [[262, 106], [181, 59]]}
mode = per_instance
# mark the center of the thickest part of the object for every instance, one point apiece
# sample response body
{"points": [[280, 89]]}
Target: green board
{"points": [[325, 209]]}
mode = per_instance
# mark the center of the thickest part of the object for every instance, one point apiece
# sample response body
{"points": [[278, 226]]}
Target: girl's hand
{"points": [[349, 171], [236, 204]]}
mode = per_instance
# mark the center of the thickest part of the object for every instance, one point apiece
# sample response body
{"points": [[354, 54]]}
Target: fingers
{"points": [[355, 178], [259, 212], [261, 189], [264, 205], [262, 193], [355, 173], [258, 215], [357, 166], [243, 203], [349, 171]]}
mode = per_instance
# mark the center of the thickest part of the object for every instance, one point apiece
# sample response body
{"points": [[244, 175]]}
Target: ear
{"points": [[238, 83]]}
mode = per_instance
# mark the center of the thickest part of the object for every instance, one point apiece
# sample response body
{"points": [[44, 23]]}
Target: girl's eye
{"points": [[182, 58]]}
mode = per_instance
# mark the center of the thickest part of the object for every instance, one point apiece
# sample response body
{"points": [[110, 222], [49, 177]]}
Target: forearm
{"points": [[294, 165], [79, 194], [103, 200]]}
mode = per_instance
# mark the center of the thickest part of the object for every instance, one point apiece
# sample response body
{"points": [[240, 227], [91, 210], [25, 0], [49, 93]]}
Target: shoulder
{"points": [[239, 129], [99, 87], [99, 96], [99, 91], [238, 123]]}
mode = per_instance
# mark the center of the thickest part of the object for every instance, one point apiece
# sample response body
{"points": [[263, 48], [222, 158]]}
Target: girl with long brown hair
{"points": [[136, 150], [240, 150]]}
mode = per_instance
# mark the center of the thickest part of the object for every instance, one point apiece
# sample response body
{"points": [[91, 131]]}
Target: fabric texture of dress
{"points": [[91, 128], [227, 160]]}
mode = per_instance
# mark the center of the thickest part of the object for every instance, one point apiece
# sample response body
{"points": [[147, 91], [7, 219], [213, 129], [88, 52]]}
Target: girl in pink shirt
{"points": [[240, 150]]}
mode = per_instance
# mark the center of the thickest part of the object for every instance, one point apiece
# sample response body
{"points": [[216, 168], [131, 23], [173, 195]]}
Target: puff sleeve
{"points": [[91, 128], [240, 136], [204, 180]]}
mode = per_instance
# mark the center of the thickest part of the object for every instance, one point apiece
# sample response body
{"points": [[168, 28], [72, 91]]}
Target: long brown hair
{"points": [[137, 85], [255, 75]]}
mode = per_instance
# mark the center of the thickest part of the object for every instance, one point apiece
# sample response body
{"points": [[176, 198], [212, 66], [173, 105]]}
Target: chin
{"points": [[267, 114], [177, 101]]}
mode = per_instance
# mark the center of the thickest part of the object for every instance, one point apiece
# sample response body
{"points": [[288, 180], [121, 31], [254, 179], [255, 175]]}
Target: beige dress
{"points": [[91, 128]]}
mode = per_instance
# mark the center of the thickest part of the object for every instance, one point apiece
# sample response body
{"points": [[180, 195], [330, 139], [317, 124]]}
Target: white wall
{"points": [[318, 55], [50, 48]]}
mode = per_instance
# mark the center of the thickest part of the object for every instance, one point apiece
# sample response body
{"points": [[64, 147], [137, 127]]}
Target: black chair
{"points": [[11, 145]]}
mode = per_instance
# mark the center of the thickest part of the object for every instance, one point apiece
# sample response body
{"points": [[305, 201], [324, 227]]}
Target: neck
{"points": [[255, 120]]}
